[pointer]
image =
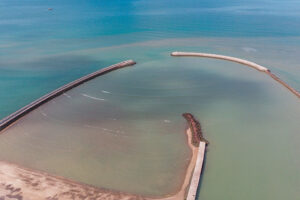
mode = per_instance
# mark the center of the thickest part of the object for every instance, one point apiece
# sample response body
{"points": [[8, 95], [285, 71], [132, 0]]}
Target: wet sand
{"points": [[25, 184]]}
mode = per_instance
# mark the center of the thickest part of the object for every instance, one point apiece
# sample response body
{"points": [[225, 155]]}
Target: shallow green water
{"points": [[126, 126], [134, 139]]}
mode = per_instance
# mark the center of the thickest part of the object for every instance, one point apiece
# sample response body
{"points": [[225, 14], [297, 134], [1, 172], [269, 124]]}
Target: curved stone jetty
{"points": [[222, 57], [240, 61], [26, 109]]}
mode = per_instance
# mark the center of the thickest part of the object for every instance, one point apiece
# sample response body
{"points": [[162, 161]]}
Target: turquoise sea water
{"points": [[250, 120]]}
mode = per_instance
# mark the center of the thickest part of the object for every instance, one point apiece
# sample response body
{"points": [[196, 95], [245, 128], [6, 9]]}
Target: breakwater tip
{"points": [[174, 53], [33, 105], [195, 126], [130, 62]]}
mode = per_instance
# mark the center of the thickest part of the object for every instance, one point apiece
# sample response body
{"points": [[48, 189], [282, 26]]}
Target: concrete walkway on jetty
{"points": [[26, 109], [192, 193], [240, 61]]}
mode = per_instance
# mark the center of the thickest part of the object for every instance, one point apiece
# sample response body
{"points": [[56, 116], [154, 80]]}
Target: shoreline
{"points": [[25, 183], [21, 183], [240, 61], [16, 180], [197, 144], [181, 194]]}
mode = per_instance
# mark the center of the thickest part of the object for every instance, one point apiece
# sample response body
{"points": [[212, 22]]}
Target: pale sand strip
{"points": [[25, 184], [241, 61], [7, 121]]}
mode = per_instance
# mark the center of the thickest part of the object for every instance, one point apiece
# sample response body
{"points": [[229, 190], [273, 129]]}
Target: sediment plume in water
{"points": [[195, 126], [240, 61]]}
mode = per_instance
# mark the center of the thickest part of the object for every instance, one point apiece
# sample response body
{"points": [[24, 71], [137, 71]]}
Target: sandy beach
{"points": [[22, 183], [17, 182]]}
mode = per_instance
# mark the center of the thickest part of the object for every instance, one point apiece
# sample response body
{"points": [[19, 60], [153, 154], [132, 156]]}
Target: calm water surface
{"points": [[125, 127]]}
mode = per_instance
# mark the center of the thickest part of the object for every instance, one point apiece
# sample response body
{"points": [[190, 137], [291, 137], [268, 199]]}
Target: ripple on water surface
{"points": [[126, 127]]}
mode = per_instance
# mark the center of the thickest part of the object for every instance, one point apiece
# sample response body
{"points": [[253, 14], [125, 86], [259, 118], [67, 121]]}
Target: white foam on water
{"points": [[106, 92], [44, 114], [65, 94], [91, 97], [105, 129], [89, 126]]}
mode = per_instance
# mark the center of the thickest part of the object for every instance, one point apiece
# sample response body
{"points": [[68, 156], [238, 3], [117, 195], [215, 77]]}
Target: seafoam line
{"points": [[44, 114], [65, 94], [91, 97], [106, 92]]}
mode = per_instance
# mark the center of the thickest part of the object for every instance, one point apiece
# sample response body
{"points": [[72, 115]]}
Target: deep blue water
{"points": [[31, 21], [29, 31]]}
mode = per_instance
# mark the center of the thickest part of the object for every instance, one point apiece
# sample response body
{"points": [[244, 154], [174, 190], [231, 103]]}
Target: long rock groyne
{"points": [[26, 109], [240, 61]]}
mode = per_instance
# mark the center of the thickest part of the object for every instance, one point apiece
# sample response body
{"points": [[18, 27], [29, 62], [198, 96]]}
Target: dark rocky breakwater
{"points": [[195, 126]]}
